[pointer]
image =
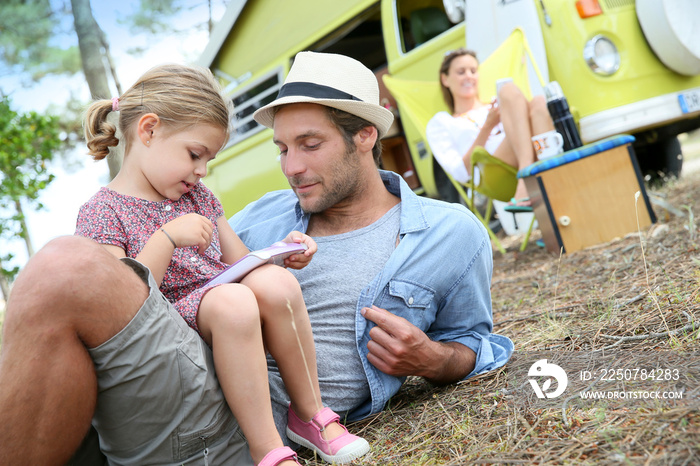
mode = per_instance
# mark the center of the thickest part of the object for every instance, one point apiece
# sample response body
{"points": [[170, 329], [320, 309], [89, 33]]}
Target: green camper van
{"points": [[625, 66]]}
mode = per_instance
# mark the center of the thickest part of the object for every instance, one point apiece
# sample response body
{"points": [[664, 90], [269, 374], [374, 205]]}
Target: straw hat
{"points": [[334, 81]]}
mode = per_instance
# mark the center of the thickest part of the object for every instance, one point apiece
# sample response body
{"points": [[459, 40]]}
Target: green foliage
{"points": [[154, 16], [57, 62], [19, 17], [27, 142], [34, 53], [158, 18]]}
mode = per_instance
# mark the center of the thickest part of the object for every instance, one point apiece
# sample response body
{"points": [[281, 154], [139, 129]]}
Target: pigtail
{"points": [[99, 133], [181, 96]]}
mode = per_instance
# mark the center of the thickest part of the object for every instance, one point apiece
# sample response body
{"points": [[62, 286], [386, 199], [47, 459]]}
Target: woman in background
{"points": [[503, 127]]}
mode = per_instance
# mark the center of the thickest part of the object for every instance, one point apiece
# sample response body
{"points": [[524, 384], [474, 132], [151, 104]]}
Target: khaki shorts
{"points": [[159, 401]]}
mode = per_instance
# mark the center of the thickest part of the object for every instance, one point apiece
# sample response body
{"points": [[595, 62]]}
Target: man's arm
{"points": [[399, 348]]}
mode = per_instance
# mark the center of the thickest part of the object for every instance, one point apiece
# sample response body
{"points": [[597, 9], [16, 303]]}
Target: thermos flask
{"points": [[561, 115]]}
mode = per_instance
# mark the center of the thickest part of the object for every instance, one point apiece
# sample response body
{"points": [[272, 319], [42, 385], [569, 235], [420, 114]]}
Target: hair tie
{"points": [[115, 104]]}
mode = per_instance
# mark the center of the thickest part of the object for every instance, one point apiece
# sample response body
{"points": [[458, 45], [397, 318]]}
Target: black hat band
{"points": [[317, 91]]}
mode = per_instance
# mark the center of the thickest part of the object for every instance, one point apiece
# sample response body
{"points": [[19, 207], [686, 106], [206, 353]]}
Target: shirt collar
{"points": [[412, 214]]}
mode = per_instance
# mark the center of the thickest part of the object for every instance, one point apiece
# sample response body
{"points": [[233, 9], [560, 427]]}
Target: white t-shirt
{"points": [[450, 137]]}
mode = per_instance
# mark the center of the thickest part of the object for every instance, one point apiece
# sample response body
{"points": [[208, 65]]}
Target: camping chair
{"points": [[419, 101], [497, 182]]}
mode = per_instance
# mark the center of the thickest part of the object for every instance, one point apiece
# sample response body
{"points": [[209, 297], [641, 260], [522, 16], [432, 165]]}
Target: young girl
{"points": [[174, 120], [504, 129]]}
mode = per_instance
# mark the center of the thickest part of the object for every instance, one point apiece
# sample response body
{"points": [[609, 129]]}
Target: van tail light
{"points": [[588, 8]]}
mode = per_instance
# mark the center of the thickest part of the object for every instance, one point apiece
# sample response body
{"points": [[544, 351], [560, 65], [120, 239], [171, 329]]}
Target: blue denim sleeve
{"points": [[465, 315], [266, 220]]}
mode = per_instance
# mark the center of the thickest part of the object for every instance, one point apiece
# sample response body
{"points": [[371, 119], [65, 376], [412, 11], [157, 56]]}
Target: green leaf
{"points": [[27, 142]]}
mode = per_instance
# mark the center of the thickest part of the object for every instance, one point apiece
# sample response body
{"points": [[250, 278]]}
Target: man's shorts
{"points": [[159, 401]]}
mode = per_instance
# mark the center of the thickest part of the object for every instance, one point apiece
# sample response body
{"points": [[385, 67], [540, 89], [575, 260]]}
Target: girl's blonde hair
{"points": [[181, 96]]}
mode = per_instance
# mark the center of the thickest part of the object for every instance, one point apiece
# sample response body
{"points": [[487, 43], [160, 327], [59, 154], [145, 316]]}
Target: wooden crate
{"points": [[590, 200]]}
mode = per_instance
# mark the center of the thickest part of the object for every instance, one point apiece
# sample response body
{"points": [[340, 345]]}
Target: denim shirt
{"points": [[438, 277]]}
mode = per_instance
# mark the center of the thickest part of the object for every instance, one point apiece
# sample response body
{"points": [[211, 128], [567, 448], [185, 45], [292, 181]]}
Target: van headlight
{"points": [[601, 55]]}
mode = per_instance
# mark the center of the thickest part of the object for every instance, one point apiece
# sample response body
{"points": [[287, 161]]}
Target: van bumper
{"points": [[635, 117]]}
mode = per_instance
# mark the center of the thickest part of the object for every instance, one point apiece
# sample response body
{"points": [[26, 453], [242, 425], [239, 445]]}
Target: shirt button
{"points": [[193, 259], [410, 300], [168, 207]]}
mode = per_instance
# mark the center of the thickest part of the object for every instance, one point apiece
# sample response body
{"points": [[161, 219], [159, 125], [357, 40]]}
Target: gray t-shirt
{"points": [[343, 265]]}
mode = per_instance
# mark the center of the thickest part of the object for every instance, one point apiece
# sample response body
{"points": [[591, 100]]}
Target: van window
{"points": [[247, 100], [361, 38], [420, 21]]}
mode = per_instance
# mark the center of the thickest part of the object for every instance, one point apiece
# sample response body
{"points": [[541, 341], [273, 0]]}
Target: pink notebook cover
{"points": [[274, 254]]}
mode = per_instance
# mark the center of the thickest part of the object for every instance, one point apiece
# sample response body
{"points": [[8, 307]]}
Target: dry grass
{"points": [[609, 306]]}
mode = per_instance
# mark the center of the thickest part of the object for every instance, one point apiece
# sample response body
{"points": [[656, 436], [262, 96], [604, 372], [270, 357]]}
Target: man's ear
{"points": [[366, 138], [146, 127]]}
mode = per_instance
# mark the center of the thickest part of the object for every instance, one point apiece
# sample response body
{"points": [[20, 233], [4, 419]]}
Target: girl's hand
{"points": [[494, 116], [191, 230], [299, 261]]}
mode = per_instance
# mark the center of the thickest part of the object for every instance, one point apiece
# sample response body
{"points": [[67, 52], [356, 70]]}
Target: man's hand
{"points": [[396, 346], [399, 348]]}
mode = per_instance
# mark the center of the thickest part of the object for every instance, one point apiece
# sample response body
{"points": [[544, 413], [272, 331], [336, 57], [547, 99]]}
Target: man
{"points": [[88, 334], [400, 284]]}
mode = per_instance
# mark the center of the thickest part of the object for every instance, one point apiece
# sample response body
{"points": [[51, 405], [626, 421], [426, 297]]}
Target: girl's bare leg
{"points": [[521, 120], [281, 339], [229, 320], [540, 119]]}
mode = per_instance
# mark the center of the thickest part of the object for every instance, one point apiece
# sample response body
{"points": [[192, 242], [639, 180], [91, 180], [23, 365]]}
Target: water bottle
{"points": [[561, 115]]}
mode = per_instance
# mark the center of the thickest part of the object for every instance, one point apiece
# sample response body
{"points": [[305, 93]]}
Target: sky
{"points": [[71, 188]]}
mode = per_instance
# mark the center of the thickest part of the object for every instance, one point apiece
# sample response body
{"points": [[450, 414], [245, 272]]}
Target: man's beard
{"points": [[346, 183]]}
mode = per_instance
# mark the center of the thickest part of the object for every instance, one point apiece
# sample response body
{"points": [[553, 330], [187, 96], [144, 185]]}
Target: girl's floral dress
{"points": [[128, 222]]}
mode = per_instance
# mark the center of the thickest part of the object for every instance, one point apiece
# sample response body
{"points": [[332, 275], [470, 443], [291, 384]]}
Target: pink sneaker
{"points": [[340, 450], [276, 456]]}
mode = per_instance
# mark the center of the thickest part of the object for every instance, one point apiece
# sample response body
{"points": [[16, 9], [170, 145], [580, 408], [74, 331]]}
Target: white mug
{"points": [[548, 144]]}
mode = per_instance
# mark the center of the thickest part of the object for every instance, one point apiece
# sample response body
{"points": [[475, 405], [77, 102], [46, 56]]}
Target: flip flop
{"points": [[513, 206]]}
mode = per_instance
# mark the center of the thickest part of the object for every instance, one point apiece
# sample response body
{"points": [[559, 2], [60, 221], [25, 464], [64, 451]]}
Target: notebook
{"points": [[274, 254]]}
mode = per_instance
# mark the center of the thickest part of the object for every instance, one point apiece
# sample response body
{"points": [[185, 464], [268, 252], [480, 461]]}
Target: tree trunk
{"points": [[211, 19], [112, 70], [24, 229], [90, 44], [5, 287]]}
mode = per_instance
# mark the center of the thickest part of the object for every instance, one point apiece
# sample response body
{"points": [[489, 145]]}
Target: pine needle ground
{"points": [[609, 306]]}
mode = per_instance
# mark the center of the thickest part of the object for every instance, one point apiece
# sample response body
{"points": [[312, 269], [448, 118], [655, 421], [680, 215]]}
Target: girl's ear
{"points": [[146, 126], [442, 80]]}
